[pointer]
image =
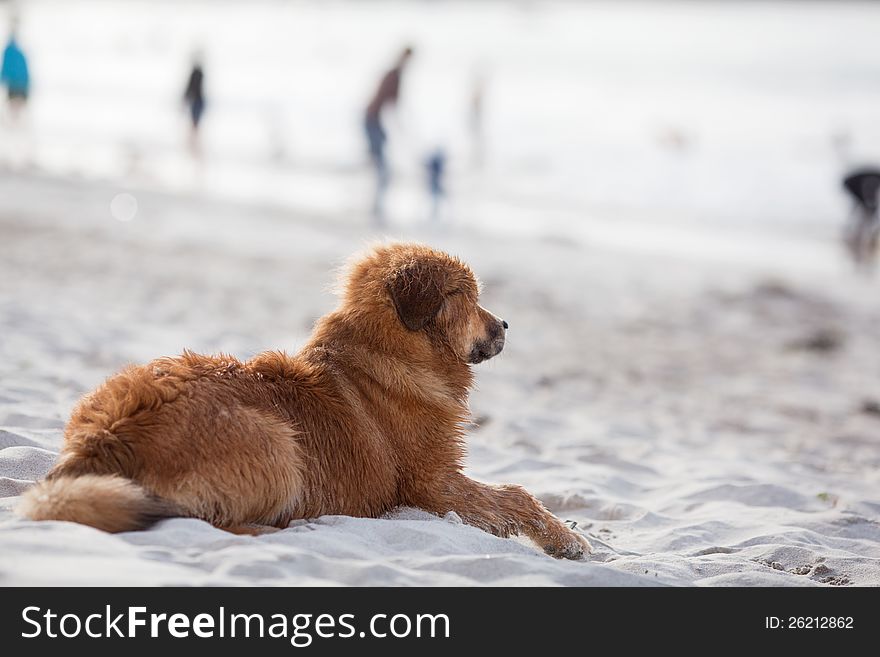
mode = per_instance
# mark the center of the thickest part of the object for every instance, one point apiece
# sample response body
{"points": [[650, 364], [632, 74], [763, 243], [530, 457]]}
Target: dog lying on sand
{"points": [[368, 416]]}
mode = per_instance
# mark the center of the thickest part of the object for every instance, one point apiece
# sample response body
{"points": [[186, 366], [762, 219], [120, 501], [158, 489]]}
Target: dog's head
{"points": [[422, 290]]}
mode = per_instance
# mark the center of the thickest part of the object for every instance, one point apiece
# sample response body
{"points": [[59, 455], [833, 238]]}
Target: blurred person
{"points": [[387, 94], [14, 75], [194, 97], [435, 166], [863, 232], [475, 118]]}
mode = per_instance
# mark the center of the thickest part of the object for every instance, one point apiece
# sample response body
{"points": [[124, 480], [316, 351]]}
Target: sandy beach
{"points": [[709, 416], [650, 195]]}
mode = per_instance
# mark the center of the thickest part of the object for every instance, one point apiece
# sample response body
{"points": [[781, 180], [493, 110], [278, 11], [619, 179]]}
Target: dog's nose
{"points": [[504, 323]]}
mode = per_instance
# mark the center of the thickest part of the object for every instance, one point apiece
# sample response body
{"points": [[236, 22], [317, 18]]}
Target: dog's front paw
{"points": [[568, 546]]}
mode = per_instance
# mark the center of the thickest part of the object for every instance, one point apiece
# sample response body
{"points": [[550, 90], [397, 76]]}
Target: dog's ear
{"points": [[417, 291]]}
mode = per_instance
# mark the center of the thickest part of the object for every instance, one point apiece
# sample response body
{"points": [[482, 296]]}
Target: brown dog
{"points": [[369, 416]]}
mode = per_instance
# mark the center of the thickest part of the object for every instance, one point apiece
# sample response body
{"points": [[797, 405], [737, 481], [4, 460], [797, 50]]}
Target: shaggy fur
{"points": [[368, 416]]}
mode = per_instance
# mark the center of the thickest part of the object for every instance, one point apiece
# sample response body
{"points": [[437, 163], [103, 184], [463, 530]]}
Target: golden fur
{"points": [[368, 416]]}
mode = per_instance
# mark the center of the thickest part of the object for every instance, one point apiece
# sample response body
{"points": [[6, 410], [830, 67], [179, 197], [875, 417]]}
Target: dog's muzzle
{"points": [[492, 346]]}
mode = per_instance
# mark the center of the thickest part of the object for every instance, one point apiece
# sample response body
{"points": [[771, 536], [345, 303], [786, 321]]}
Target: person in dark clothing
{"points": [[194, 97], [386, 94], [863, 233]]}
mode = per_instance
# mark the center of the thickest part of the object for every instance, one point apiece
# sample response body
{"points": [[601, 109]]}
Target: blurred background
{"points": [[550, 116]]}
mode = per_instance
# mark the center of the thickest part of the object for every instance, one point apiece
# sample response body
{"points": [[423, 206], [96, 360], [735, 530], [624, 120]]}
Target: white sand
{"points": [[671, 406]]}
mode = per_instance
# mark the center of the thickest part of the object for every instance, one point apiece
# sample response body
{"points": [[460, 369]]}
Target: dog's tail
{"points": [[108, 502]]}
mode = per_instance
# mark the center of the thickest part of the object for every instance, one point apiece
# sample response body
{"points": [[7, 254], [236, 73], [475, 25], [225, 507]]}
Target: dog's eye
{"points": [[450, 303]]}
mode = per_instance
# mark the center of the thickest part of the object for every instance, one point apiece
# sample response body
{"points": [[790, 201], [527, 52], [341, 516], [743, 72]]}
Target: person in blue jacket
{"points": [[14, 74]]}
